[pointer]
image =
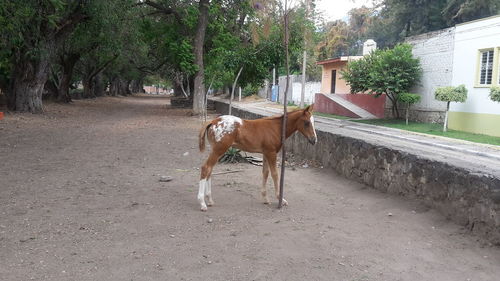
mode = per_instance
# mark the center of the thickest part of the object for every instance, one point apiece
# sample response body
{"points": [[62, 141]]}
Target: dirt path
{"points": [[80, 200]]}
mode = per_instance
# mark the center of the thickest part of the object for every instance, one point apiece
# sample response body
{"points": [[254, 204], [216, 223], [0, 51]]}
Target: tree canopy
{"points": [[53, 48]]}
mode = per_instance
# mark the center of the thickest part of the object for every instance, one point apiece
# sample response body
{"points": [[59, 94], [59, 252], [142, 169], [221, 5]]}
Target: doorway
{"points": [[334, 80]]}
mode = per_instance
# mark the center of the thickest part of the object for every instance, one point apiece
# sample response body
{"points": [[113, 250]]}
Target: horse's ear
{"points": [[309, 108]]}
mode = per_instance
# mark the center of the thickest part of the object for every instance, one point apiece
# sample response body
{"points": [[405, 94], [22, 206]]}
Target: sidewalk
{"points": [[475, 157]]}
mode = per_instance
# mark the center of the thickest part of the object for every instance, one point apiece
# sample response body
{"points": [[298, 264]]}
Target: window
{"points": [[486, 67]]}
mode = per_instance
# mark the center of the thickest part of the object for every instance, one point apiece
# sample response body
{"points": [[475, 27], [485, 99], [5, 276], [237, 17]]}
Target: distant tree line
{"points": [[388, 22]]}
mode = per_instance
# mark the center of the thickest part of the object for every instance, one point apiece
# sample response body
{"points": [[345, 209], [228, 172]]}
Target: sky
{"points": [[338, 9]]}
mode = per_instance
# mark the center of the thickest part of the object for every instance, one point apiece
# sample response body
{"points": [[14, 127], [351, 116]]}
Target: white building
{"points": [[476, 59], [468, 54]]}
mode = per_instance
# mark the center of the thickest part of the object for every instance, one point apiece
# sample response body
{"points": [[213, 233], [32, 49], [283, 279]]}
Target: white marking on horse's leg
{"points": [[208, 192], [201, 194]]}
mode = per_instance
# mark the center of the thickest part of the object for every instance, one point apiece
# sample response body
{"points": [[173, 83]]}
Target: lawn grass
{"points": [[331, 115], [432, 129]]}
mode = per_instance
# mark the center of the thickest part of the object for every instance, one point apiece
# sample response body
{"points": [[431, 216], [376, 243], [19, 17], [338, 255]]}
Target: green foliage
{"points": [[391, 72], [232, 155], [495, 93], [409, 98], [451, 94]]}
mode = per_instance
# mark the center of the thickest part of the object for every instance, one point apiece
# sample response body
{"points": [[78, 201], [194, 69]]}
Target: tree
{"points": [[31, 32], [391, 72], [450, 94], [408, 99], [495, 93], [199, 42]]}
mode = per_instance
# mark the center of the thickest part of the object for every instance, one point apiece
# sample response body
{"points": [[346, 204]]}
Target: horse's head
{"points": [[305, 124]]}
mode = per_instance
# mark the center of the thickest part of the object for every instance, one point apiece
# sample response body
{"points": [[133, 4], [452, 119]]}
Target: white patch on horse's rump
{"points": [[226, 125]]}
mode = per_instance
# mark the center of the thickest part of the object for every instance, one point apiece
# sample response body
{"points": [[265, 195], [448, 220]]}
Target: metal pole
{"points": [[283, 125], [303, 92]]}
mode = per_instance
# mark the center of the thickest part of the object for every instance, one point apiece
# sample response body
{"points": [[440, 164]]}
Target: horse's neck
{"points": [[291, 123]]}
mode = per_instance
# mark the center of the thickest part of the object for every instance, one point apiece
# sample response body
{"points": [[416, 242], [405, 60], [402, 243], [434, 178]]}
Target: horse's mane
{"points": [[281, 116]]}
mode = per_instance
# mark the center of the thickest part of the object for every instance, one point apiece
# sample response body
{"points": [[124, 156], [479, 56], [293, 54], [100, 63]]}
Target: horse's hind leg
{"points": [[271, 159], [265, 175], [206, 172]]}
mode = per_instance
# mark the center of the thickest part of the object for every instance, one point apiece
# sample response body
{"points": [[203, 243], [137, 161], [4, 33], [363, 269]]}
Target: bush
{"points": [[391, 72], [495, 93], [449, 94], [409, 98]]}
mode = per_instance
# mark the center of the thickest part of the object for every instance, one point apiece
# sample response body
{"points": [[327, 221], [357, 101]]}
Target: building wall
{"points": [[478, 114], [295, 89], [326, 80], [312, 88], [435, 51]]}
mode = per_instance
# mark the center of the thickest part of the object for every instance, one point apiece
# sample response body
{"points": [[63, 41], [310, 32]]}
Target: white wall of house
{"points": [[469, 39], [435, 51]]}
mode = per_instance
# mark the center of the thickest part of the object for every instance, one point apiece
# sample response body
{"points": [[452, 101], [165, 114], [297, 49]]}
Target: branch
{"points": [[102, 67], [162, 9]]}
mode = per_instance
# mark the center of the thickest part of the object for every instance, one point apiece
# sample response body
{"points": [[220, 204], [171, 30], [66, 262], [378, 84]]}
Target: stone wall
{"points": [[469, 199]]}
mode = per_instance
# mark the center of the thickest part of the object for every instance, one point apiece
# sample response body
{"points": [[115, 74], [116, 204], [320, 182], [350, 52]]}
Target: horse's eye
{"points": [[307, 123]]}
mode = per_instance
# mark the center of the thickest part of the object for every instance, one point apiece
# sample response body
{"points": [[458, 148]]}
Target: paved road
{"points": [[478, 158]]}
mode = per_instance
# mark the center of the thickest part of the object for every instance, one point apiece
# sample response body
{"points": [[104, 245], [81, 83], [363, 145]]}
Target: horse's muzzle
{"points": [[312, 140]]}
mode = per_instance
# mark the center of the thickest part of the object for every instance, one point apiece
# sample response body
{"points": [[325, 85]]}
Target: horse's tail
{"points": [[203, 132]]}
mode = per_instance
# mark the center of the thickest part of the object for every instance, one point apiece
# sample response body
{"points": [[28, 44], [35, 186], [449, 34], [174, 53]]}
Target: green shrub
{"points": [[495, 93], [449, 94], [408, 99], [391, 72]]}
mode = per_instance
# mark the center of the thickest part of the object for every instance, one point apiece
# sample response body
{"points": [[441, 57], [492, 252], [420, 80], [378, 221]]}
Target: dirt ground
{"points": [[80, 199]]}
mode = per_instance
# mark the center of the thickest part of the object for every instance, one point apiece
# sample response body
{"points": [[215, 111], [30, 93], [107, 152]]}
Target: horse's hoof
{"points": [[266, 201], [285, 203], [210, 203], [203, 208]]}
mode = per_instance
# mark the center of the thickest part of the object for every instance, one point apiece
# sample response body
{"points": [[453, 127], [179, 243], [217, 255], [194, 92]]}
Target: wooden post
{"points": [[283, 125], [232, 91], [239, 94]]}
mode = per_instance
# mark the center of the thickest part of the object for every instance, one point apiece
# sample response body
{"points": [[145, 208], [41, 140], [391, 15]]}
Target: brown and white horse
{"points": [[259, 136]]}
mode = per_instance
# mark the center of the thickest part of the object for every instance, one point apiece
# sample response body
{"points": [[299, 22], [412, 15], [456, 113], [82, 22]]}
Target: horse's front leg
{"points": [[208, 192], [271, 159]]}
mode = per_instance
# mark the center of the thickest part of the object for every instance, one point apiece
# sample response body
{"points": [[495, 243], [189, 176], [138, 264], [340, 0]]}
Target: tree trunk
{"points": [[199, 40], [136, 86], [28, 80], [114, 87], [407, 113], [126, 88], [98, 85], [445, 125], [67, 74], [50, 90], [88, 91]]}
